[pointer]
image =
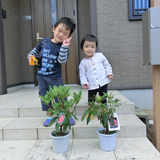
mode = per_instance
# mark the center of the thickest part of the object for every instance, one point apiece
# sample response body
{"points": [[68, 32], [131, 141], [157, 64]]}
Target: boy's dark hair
{"points": [[90, 38], [69, 23]]}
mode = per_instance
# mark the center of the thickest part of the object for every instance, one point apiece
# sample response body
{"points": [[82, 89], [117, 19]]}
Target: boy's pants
{"points": [[92, 93], [44, 83]]}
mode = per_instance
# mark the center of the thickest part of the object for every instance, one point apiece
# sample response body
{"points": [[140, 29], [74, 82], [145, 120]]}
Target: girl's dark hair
{"points": [[90, 38], [69, 23]]}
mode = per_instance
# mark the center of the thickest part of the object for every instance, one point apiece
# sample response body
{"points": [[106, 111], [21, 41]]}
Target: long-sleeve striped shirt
{"points": [[53, 55]]}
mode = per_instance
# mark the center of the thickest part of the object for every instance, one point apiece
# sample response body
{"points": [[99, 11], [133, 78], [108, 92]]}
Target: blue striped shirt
{"points": [[53, 55]]}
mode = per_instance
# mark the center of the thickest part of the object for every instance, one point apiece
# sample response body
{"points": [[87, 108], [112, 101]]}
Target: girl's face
{"points": [[60, 33], [89, 48]]}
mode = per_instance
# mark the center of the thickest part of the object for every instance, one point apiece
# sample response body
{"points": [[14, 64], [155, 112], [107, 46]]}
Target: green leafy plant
{"points": [[61, 110], [102, 111]]}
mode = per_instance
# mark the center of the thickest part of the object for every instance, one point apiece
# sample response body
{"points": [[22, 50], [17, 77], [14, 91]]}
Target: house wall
{"points": [[119, 39], [142, 98], [12, 42], [26, 40], [17, 42], [121, 42], [83, 22]]}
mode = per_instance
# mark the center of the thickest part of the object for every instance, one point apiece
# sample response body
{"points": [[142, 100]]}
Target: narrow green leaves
{"points": [[62, 105]]}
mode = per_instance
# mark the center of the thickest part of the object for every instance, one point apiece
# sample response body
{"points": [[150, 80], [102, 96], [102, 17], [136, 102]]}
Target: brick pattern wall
{"points": [[12, 43], [17, 41], [121, 42], [26, 40], [83, 22]]}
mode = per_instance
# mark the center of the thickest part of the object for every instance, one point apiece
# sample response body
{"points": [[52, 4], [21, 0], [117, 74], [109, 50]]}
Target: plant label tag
{"points": [[116, 125], [61, 118]]}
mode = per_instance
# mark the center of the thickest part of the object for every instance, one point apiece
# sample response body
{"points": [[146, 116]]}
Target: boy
{"points": [[54, 52]]}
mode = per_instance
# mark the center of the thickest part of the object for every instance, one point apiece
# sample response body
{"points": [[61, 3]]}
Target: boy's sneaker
{"points": [[46, 123], [72, 121]]}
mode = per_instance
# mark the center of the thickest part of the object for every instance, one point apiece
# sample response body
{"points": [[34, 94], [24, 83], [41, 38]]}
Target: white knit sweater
{"points": [[94, 71]]}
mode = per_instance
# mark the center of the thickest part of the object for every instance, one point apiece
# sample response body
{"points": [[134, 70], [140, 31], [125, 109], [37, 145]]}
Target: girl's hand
{"points": [[66, 42], [85, 86], [110, 77]]}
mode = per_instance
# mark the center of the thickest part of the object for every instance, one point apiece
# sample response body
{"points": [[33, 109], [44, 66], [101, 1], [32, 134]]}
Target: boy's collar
{"points": [[52, 40]]}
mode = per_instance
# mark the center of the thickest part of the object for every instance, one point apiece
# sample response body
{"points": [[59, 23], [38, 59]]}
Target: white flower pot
{"points": [[60, 144], [106, 141]]}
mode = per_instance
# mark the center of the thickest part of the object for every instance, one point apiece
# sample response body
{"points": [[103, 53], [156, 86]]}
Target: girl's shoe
{"points": [[46, 123]]}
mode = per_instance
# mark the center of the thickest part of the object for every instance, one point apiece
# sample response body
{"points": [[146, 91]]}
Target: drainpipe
{"points": [[3, 84], [93, 17]]}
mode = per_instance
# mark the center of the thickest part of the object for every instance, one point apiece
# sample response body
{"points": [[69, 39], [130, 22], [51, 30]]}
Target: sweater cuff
{"points": [[84, 83], [64, 46], [110, 74]]}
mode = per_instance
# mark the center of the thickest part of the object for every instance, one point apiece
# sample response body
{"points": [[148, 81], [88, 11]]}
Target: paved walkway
{"points": [[22, 136]]}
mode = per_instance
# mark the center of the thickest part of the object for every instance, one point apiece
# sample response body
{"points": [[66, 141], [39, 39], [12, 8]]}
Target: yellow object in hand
{"points": [[91, 118], [33, 61]]}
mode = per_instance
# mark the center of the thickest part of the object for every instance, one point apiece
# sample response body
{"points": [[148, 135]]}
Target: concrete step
{"points": [[123, 109], [11, 103], [127, 106], [28, 105], [23, 137], [130, 126], [85, 149], [31, 128]]}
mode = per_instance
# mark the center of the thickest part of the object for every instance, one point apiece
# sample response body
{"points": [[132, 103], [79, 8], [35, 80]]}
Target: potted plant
{"points": [[108, 118], [61, 113]]}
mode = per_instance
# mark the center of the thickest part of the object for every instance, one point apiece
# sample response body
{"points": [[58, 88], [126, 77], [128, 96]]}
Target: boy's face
{"points": [[89, 48], [60, 33]]}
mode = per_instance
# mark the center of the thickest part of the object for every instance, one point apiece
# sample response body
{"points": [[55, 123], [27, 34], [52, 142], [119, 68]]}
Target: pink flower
{"points": [[115, 123], [61, 118]]}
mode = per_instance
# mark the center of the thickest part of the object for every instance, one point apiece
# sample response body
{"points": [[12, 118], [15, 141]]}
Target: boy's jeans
{"points": [[44, 83]]}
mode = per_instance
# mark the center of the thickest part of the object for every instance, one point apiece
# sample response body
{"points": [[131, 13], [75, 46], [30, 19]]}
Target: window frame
{"points": [[131, 7]]}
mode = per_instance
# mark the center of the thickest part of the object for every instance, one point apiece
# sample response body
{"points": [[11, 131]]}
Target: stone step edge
{"points": [[37, 112], [38, 127]]}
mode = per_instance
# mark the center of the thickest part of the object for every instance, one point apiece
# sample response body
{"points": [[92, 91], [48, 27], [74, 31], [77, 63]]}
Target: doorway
{"points": [[44, 14]]}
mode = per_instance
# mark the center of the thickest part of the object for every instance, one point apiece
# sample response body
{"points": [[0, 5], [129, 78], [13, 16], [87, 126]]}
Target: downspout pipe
{"points": [[3, 81], [93, 17]]}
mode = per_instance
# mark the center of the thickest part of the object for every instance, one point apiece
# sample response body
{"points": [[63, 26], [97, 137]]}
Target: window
{"points": [[53, 6], [137, 8]]}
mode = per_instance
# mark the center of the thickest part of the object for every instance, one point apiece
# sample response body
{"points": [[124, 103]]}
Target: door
{"points": [[42, 15], [70, 69]]}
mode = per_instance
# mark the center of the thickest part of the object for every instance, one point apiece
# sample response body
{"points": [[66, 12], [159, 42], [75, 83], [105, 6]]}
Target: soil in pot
{"points": [[108, 132], [59, 134]]}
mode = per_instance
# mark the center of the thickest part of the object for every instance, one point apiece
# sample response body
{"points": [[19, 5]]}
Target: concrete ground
{"points": [[23, 137]]}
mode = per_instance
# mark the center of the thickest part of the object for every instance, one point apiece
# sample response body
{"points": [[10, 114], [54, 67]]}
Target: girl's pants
{"points": [[92, 93]]}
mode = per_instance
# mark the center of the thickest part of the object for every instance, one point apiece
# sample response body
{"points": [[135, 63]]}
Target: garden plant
{"points": [[61, 110], [104, 112]]}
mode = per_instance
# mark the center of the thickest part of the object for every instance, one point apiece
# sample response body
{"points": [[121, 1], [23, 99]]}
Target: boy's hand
{"points": [[110, 77], [85, 86], [66, 42], [29, 59]]}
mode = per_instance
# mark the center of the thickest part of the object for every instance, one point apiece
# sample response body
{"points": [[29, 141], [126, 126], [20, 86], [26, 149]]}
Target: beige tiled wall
{"points": [[83, 21], [121, 41], [17, 41], [11, 27], [26, 40]]}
